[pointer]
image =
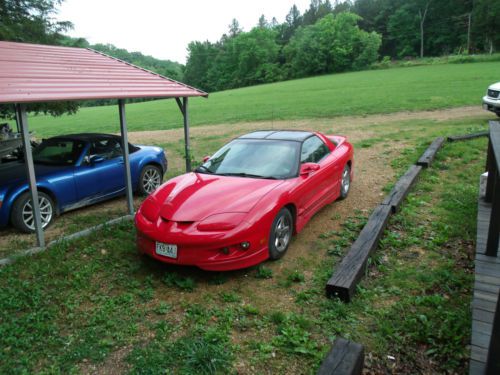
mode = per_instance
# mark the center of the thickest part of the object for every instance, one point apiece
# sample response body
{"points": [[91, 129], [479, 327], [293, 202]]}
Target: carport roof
{"points": [[40, 73]]}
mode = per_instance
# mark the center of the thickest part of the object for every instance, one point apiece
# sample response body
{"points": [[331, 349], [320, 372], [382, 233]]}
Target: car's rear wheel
{"points": [[23, 215], [151, 177], [345, 182], [281, 234]]}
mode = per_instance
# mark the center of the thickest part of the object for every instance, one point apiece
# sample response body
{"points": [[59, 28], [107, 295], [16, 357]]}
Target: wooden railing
{"points": [[493, 188], [493, 197]]}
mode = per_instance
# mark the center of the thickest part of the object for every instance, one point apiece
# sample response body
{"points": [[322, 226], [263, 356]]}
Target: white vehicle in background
{"points": [[491, 101]]}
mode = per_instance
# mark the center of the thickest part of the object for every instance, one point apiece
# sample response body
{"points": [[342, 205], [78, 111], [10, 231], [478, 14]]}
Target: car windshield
{"points": [[255, 158], [58, 152]]}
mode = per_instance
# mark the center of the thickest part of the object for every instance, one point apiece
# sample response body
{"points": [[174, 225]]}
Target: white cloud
{"points": [[163, 29]]}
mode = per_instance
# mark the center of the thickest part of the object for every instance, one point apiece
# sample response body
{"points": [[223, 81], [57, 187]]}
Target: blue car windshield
{"points": [[255, 158], [58, 152]]}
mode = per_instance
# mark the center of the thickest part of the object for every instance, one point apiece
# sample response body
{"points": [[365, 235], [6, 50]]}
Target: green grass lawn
{"points": [[358, 93]]}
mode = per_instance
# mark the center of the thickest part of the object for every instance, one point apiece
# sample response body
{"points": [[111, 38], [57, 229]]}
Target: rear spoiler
{"points": [[337, 139]]}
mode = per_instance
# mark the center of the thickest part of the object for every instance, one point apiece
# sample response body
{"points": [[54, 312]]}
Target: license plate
{"points": [[167, 250], [485, 106]]}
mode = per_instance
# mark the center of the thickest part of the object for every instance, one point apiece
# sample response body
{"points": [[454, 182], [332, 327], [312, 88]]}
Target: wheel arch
{"points": [[293, 210], [42, 189]]}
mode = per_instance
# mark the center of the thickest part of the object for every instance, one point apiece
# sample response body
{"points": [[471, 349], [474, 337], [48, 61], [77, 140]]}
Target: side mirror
{"points": [[95, 159], [307, 168], [206, 158]]}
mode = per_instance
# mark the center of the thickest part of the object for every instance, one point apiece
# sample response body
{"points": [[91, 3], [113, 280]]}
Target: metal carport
{"points": [[31, 73]]}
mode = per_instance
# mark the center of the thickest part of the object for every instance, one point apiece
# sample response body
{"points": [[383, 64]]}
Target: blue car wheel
{"points": [[23, 217], [151, 178]]}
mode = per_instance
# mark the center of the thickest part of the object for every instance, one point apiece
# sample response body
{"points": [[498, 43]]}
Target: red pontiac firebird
{"points": [[243, 204]]}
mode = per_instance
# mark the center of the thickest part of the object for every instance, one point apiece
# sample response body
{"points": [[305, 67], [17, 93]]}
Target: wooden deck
{"points": [[486, 288]]}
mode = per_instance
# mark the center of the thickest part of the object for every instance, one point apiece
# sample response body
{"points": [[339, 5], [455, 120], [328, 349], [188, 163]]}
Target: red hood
{"points": [[195, 196]]}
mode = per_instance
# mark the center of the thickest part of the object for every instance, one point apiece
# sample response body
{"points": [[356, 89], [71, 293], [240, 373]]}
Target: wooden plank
{"points": [[454, 138], [488, 259], [476, 368], [478, 354], [481, 339], [483, 327], [428, 156], [482, 315], [488, 269], [345, 358], [483, 305], [402, 188], [347, 275], [485, 296], [485, 287], [492, 280]]}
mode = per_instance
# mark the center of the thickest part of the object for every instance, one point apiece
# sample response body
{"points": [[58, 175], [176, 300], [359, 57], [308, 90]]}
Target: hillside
{"points": [[358, 93]]}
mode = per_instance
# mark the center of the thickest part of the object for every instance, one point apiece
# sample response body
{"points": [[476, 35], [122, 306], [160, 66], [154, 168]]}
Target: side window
{"points": [[313, 150], [107, 148]]}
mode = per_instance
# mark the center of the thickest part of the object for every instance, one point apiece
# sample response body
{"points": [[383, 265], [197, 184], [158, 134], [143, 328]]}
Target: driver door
{"points": [[101, 172]]}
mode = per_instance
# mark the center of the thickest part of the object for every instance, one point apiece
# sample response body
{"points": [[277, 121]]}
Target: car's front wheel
{"points": [[281, 234], [151, 177], [23, 215]]}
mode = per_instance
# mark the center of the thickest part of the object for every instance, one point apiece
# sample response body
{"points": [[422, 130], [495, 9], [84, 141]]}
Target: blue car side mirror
{"points": [[94, 159]]}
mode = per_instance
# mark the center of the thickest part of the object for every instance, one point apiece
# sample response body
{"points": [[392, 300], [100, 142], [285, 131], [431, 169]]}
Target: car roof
{"points": [[86, 136], [281, 135]]}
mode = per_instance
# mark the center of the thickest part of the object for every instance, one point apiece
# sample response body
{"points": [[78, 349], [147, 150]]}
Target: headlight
{"points": [[217, 222]]}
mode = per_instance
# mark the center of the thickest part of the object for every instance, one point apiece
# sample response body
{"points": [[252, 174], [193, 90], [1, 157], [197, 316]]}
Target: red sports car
{"points": [[243, 205]]}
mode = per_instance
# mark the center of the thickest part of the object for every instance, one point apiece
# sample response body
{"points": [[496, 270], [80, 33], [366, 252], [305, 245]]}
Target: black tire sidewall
{"points": [[273, 252], [343, 195], [140, 188], [17, 209]]}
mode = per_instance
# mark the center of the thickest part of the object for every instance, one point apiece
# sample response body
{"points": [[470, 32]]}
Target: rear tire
{"points": [[345, 182], [281, 234], [22, 215], [151, 177]]}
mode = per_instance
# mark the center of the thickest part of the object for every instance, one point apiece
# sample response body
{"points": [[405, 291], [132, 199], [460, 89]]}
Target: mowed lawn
{"points": [[358, 93]]}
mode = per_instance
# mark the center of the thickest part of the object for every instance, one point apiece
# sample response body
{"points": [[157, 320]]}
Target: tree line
{"points": [[345, 35]]}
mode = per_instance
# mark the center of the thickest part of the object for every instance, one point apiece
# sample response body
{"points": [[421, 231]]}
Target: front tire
{"points": [[281, 234], [345, 182], [23, 216], [151, 177]]}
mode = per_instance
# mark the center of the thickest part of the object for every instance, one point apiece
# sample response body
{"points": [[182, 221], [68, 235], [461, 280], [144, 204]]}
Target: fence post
{"points": [[493, 360], [491, 169], [494, 229]]}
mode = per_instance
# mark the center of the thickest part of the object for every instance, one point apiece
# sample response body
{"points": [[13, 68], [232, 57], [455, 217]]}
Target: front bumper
{"points": [[491, 104], [211, 251]]}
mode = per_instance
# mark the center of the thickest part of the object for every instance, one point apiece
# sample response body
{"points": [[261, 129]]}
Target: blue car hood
{"points": [[15, 172]]}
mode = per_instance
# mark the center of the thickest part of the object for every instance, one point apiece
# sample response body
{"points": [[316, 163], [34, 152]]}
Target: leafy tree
{"points": [[234, 28], [485, 24], [31, 21], [333, 44]]}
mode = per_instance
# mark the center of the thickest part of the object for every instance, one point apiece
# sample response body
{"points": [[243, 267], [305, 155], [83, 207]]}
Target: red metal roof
{"points": [[39, 73]]}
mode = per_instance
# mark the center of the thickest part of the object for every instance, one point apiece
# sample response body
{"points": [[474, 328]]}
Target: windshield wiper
{"points": [[203, 169], [243, 174]]}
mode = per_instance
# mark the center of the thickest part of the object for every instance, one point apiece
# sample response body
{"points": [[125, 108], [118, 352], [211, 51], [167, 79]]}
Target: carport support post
{"points": [[183, 106], [126, 159], [30, 169]]}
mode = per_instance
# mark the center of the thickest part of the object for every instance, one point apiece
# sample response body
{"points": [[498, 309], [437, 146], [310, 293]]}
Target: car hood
{"points": [[15, 172], [495, 86], [195, 196]]}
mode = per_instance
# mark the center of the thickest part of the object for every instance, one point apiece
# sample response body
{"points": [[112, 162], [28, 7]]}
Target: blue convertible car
{"points": [[73, 171]]}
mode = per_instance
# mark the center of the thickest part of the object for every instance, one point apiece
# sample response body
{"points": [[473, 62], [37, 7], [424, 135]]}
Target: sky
{"points": [[163, 29]]}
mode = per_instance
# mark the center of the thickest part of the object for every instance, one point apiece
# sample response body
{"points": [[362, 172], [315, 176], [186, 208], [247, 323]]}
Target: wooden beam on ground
{"points": [[402, 188], [352, 268], [454, 138], [345, 358], [428, 156]]}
